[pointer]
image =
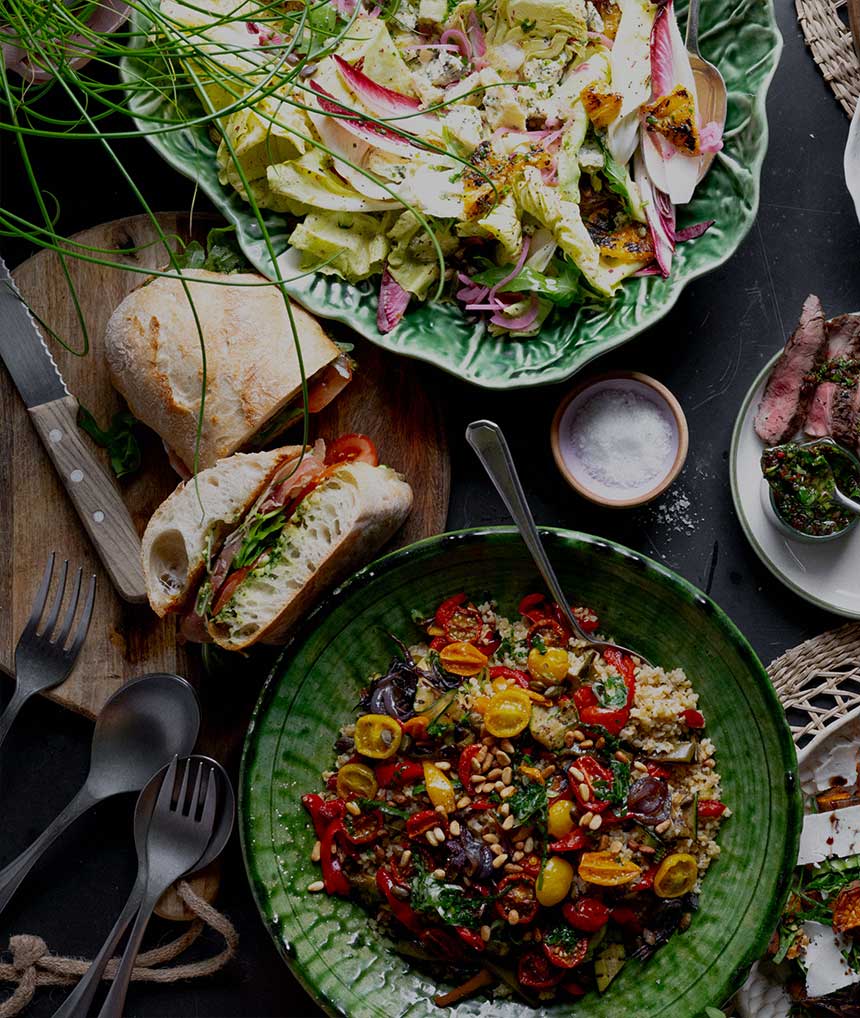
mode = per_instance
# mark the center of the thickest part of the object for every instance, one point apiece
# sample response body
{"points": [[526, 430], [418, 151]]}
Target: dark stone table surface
{"points": [[707, 350]]}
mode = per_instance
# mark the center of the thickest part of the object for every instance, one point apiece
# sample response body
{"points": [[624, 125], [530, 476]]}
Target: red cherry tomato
{"points": [[596, 777], [516, 893], [533, 607], [471, 938], [420, 823], [711, 808], [625, 667], [439, 643], [586, 914], [574, 841], [363, 829], [566, 956], [693, 718], [447, 607], [627, 918], [549, 631], [464, 764], [536, 973], [352, 449], [399, 772], [464, 625], [656, 771], [645, 881]]}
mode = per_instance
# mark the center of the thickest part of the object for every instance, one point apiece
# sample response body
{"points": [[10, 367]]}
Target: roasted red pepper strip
{"points": [[710, 808], [471, 938], [511, 674], [625, 667], [323, 811], [587, 619], [656, 771], [420, 823], [333, 876], [627, 918], [398, 772], [464, 764], [591, 714], [572, 842], [595, 773], [403, 913], [490, 645], [482, 804], [533, 607], [645, 881]]}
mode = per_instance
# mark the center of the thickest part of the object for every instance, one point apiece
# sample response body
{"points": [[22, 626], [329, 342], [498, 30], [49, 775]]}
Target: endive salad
{"points": [[517, 808], [514, 156]]}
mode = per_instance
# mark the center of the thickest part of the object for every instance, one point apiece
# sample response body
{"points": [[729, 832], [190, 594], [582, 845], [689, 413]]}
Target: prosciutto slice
{"points": [[790, 388]]}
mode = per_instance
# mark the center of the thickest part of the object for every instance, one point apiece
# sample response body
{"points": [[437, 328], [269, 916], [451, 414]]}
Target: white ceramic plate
{"points": [[827, 574], [836, 751]]}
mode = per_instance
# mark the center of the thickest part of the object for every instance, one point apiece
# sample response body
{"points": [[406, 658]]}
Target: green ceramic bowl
{"points": [[329, 943], [739, 36]]}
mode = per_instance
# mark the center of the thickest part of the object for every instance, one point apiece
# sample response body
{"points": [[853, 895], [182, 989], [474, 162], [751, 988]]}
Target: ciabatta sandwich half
{"points": [[315, 520], [253, 378]]}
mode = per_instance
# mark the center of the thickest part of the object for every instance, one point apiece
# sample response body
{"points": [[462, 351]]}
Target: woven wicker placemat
{"points": [[830, 42], [819, 681]]}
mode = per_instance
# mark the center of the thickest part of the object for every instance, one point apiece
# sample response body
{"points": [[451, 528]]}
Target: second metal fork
{"points": [[42, 662]]}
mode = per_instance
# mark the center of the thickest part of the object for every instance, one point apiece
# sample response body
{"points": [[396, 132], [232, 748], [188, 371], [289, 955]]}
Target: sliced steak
{"points": [[789, 390], [832, 410]]}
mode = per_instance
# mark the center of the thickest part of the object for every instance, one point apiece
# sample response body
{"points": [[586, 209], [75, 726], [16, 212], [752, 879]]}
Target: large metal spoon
{"points": [[711, 93], [489, 443], [77, 1004], [140, 729]]}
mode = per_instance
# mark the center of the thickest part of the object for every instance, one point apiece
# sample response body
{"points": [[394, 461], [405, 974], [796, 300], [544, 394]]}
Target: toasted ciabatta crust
{"points": [[153, 352], [176, 540], [336, 529]]}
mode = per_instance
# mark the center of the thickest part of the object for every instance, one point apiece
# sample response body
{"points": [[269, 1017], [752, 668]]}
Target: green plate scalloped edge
{"points": [[741, 38], [329, 944]]}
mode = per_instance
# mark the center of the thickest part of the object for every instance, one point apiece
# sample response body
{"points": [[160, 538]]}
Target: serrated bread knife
{"points": [[53, 411]]}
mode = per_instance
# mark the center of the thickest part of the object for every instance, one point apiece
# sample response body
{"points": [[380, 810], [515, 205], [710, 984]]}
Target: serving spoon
{"points": [[489, 443], [141, 728], [711, 92], [77, 1004]]}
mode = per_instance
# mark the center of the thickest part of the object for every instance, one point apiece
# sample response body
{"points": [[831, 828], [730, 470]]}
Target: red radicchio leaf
{"points": [[691, 232], [393, 302]]}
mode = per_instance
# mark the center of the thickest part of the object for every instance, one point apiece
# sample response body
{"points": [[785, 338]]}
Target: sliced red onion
{"points": [[393, 302], [521, 323], [711, 137], [691, 232], [516, 270], [376, 135], [478, 42], [459, 39]]}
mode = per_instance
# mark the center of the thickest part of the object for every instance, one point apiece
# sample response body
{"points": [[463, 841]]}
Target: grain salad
{"points": [[517, 808]]}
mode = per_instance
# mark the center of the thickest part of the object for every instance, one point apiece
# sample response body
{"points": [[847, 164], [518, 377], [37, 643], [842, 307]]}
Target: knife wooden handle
{"points": [[96, 499]]}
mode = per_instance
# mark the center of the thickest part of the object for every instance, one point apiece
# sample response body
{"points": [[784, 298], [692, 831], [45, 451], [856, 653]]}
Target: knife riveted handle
{"points": [[99, 505]]}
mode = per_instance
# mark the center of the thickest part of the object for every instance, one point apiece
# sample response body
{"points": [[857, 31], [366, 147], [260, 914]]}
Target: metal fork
{"points": [[41, 662], [179, 833]]}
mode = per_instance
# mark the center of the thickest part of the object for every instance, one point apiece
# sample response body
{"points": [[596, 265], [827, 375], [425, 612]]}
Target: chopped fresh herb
{"points": [[119, 440], [439, 726], [448, 901], [611, 692], [564, 935], [262, 535], [383, 807], [529, 803], [538, 643], [221, 254], [527, 26]]}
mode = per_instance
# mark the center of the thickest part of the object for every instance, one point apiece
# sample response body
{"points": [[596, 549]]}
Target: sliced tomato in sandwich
{"points": [[229, 587], [352, 449]]}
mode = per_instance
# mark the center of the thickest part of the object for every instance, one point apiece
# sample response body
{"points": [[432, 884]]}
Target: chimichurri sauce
{"points": [[801, 479]]}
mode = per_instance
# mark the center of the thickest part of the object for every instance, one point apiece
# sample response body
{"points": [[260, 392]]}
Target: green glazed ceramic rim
{"points": [[787, 830]]}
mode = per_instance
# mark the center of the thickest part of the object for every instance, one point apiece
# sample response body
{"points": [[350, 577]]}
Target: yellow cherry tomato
{"points": [[356, 779], [554, 882], [606, 870], [533, 773], [377, 736], [508, 713], [480, 704], [551, 665], [676, 876], [463, 659], [560, 821], [439, 788]]}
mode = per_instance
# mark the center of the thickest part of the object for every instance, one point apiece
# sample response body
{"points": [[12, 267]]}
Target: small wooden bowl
{"points": [[662, 396]]}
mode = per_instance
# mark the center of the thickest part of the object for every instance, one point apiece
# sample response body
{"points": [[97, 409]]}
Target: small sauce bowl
{"points": [[573, 469]]}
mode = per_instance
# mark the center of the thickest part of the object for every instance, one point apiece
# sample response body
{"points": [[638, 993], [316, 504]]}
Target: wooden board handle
{"points": [[96, 499]]}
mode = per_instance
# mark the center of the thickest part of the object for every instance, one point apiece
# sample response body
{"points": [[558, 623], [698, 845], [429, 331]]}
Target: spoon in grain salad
{"points": [[491, 448]]}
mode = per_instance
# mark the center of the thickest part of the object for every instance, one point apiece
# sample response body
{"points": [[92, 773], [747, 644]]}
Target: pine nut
{"points": [[577, 774], [485, 934], [587, 743], [508, 823], [315, 852], [443, 765], [507, 746], [505, 809], [488, 788], [568, 739], [511, 867], [596, 821], [513, 917], [499, 785], [431, 837], [518, 855], [464, 802], [507, 775], [441, 809], [439, 874], [491, 839], [496, 849], [407, 855], [502, 758], [578, 736], [585, 819], [316, 887], [506, 793], [495, 774], [500, 861], [477, 779], [440, 835], [661, 828], [529, 845], [639, 766], [476, 763], [354, 808], [622, 757], [584, 792], [455, 829]]}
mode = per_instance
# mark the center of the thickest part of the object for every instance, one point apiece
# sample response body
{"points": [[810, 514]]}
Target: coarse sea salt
{"points": [[618, 442]]}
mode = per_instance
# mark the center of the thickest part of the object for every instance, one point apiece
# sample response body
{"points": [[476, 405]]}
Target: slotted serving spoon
{"points": [[489, 443]]}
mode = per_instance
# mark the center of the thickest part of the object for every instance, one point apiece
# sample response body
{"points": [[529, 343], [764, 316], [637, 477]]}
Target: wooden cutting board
{"points": [[385, 400]]}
